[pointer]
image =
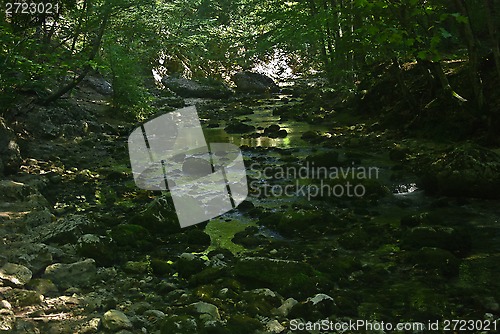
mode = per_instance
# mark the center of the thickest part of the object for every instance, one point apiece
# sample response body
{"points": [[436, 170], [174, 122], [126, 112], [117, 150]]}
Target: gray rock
{"points": [[319, 298], [251, 82], [82, 273], [91, 326], [11, 191], [274, 326], [207, 312], [115, 320], [99, 84], [21, 297], [42, 286], [35, 256], [7, 320], [286, 307], [202, 88], [39, 217], [15, 274], [260, 301], [317, 307], [154, 316], [4, 304], [64, 230]]}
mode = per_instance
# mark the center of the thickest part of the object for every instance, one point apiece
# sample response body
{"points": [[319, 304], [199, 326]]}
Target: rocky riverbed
{"points": [[83, 250]]}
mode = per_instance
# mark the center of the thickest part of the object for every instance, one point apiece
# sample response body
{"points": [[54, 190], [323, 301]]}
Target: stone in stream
{"points": [[203, 88], [196, 167], [251, 82], [274, 131], [189, 264], [239, 127]]}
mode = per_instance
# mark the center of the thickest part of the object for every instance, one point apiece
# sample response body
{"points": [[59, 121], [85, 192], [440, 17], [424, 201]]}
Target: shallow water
{"points": [[479, 270]]}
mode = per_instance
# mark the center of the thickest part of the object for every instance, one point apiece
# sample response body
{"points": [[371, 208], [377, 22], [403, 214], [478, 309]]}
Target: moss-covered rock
{"points": [[289, 278], [131, 235], [43, 286], [456, 241], [100, 248], [243, 324], [161, 267], [21, 297], [259, 302], [189, 264], [439, 261], [158, 217], [463, 171], [319, 306]]}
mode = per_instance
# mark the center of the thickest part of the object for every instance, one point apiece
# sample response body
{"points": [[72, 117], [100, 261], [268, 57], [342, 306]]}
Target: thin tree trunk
{"points": [[443, 79], [473, 56], [398, 72], [93, 53], [491, 18], [79, 26]]}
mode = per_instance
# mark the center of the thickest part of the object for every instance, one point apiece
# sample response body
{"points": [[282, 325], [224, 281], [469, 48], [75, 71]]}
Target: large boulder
{"points": [[99, 84], [77, 274], [207, 88], [15, 274], [463, 171], [251, 82], [64, 230]]}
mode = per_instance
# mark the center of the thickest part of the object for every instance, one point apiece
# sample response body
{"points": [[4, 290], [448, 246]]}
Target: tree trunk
{"points": [[93, 53], [492, 19], [473, 52], [398, 73]]}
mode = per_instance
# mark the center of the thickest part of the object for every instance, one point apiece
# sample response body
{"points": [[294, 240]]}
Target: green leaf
{"points": [[445, 33], [422, 55], [460, 18]]}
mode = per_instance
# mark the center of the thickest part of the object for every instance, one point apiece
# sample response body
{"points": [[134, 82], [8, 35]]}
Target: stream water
{"points": [[375, 221]]}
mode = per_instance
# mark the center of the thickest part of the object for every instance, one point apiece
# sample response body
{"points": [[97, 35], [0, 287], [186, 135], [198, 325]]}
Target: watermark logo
{"points": [[311, 181], [169, 152]]}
